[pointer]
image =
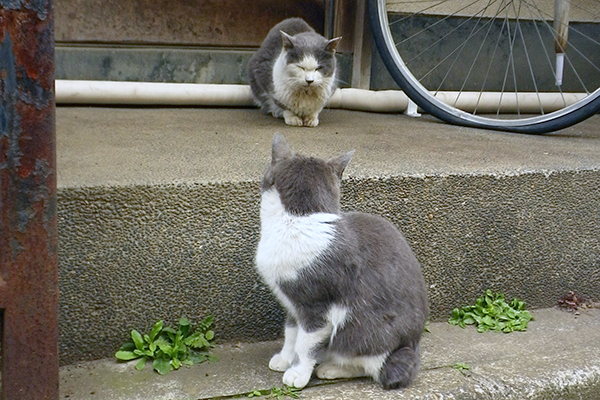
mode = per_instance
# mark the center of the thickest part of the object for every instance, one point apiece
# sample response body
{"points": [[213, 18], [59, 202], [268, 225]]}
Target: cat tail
{"points": [[400, 368]]}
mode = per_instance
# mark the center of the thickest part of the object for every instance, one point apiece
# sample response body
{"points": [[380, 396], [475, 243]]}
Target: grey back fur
{"points": [[368, 269]]}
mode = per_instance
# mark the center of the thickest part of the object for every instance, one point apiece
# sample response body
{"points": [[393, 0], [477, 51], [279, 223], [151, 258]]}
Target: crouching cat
{"points": [[293, 74], [353, 290]]}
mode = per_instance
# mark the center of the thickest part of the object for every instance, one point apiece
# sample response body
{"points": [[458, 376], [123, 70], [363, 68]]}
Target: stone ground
{"points": [[558, 357], [132, 146]]}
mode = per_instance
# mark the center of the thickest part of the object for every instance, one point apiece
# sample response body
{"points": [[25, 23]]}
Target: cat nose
{"points": [[309, 78]]}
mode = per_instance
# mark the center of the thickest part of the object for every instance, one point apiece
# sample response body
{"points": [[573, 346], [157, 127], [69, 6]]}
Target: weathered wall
{"points": [[202, 41], [176, 65], [190, 22]]}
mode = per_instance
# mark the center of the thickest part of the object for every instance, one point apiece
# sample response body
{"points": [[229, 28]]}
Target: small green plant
{"points": [[462, 366], [278, 393], [426, 328], [169, 348], [492, 313], [254, 393]]}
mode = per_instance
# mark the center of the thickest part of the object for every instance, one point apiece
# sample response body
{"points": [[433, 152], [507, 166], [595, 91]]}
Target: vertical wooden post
{"points": [[28, 225], [343, 23], [363, 42], [329, 18], [350, 20]]}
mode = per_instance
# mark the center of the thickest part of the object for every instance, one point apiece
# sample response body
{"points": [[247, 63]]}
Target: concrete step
{"points": [[158, 213], [557, 358]]}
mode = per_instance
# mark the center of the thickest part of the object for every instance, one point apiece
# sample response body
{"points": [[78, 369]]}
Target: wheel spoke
{"points": [[554, 34], [550, 63], [434, 24], [535, 87], [451, 53], [483, 41]]}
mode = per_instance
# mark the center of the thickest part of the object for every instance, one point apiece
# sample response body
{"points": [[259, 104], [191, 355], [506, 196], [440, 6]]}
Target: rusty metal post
{"points": [[28, 230]]}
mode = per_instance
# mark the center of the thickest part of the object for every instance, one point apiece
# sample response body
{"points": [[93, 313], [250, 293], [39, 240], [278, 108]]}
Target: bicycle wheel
{"points": [[493, 63]]}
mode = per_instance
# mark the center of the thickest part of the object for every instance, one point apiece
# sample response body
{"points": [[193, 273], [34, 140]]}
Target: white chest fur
{"points": [[289, 84], [289, 243]]}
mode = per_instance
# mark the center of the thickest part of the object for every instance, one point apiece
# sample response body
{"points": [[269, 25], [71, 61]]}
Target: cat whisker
{"points": [[346, 84]]}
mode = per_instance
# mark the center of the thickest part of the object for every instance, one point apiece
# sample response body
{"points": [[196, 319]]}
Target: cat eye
{"points": [[319, 67]]}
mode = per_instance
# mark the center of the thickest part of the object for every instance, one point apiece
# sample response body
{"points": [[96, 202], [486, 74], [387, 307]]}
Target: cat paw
{"points": [[292, 119], [333, 371], [296, 377], [311, 121], [279, 363]]}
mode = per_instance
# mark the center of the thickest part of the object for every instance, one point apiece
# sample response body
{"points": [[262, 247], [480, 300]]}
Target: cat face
{"points": [[308, 70], [310, 59]]}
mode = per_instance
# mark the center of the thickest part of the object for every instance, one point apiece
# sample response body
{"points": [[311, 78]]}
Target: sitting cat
{"points": [[293, 74], [353, 290]]}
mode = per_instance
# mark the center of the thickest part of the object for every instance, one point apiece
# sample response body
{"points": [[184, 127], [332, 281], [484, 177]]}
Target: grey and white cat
{"points": [[293, 74], [353, 290]]}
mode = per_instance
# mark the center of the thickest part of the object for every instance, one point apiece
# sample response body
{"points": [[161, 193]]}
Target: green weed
{"points": [[170, 348], [462, 366], [492, 313], [278, 393]]}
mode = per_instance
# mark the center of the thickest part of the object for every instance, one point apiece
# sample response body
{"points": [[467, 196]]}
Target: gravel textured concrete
{"points": [[557, 358], [158, 213]]}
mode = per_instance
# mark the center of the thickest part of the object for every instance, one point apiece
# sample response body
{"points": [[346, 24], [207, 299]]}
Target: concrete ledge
{"points": [[158, 213], [557, 358]]}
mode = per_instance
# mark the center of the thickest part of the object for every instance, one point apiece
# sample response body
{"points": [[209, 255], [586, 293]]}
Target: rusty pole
{"points": [[28, 231]]}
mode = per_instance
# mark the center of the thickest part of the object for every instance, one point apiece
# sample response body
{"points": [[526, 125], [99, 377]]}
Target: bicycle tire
{"points": [[426, 99]]}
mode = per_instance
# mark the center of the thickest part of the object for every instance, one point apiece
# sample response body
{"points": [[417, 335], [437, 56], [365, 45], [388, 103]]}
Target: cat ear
{"points": [[332, 44], [281, 149], [287, 40], [340, 163]]}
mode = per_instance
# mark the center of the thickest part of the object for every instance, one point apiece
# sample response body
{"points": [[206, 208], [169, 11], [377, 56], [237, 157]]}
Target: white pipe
{"points": [[150, 93], [386, 101], [177, 94]]}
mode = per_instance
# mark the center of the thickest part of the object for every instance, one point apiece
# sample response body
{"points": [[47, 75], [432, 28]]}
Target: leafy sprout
{"points": [[461, 366], [282, 392], [492, 313], [170, 348], [278, 393], [426, 328]]}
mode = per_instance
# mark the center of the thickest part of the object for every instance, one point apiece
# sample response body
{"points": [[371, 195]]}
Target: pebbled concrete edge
{"points": [[132, 255]]}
